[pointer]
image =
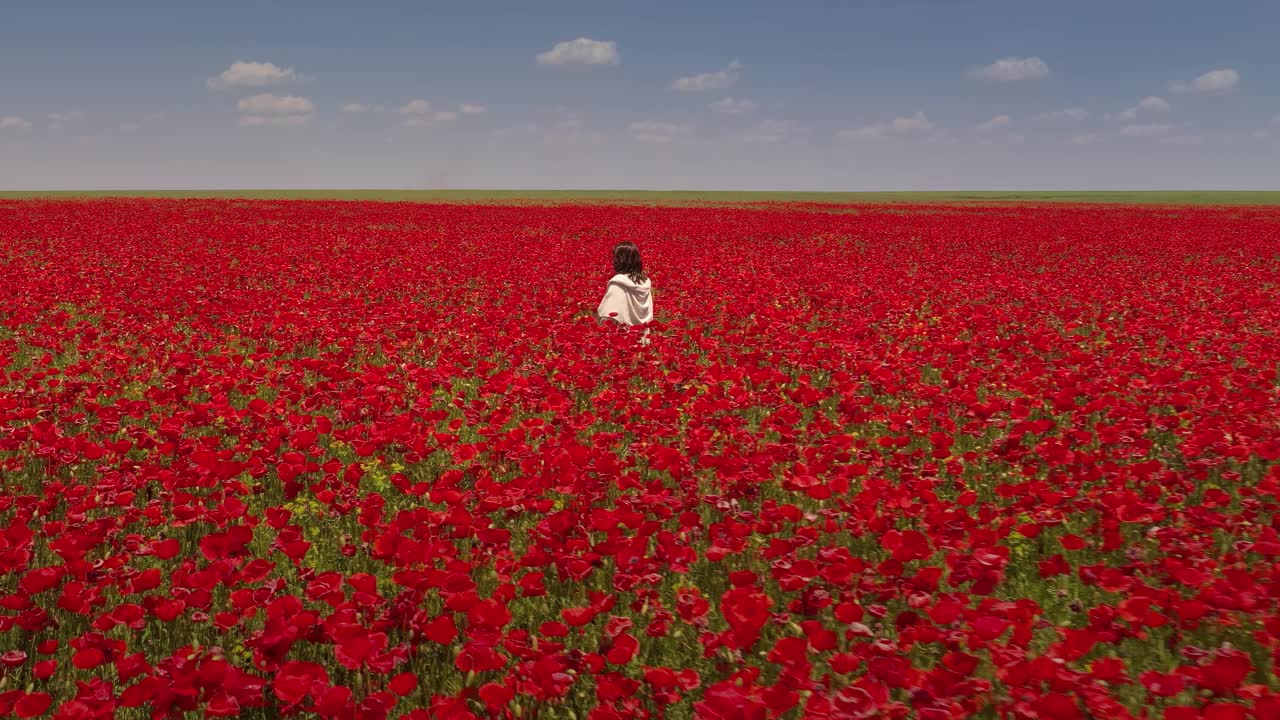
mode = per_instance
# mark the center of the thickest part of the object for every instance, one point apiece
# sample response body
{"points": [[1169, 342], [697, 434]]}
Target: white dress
{"points": [[628, 303]]}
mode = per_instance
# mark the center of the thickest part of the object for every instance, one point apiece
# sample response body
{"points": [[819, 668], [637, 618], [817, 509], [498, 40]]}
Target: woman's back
{"points": [[627, 301]]}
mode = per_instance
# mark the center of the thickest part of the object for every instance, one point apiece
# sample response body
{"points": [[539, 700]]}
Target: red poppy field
{"points": [[369, 460]]}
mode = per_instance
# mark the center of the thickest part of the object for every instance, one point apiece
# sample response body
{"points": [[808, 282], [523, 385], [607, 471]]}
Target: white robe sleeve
{"points": [[614, 304]]}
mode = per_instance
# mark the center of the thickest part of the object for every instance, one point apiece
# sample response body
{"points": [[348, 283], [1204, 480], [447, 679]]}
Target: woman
{"points": [[628, 300]]}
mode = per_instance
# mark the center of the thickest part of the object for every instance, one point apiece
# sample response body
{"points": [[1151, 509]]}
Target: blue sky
{"points": [[909, 94]]}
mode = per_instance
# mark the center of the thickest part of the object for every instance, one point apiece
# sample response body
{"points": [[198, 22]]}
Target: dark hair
{"points": [[626, 261]]}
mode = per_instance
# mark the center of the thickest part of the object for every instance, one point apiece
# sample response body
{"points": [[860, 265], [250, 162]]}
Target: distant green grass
{"points": [[682, 197]]}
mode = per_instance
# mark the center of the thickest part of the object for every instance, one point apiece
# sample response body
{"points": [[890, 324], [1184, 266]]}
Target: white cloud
{"points": [[1073, 114], [998, 122], [1182, 140], [274, 120], [13, 122], [1013, 69], [1087, 139], [912, 123], [909, 124], [415, 107], [268, 104], [1214, 82], [418, 113], [252, 74], [1157, 104], [773, 131], [717, 80], [267, 110], [1143, 131], [732, 106], [58, 119], [869, 132], [356, 108], [1149, 104], [467, 109], [583, 51], [655, 131]]}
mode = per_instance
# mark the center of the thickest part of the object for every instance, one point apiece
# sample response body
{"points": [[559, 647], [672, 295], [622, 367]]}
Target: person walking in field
{"points": [[628, 300]]}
